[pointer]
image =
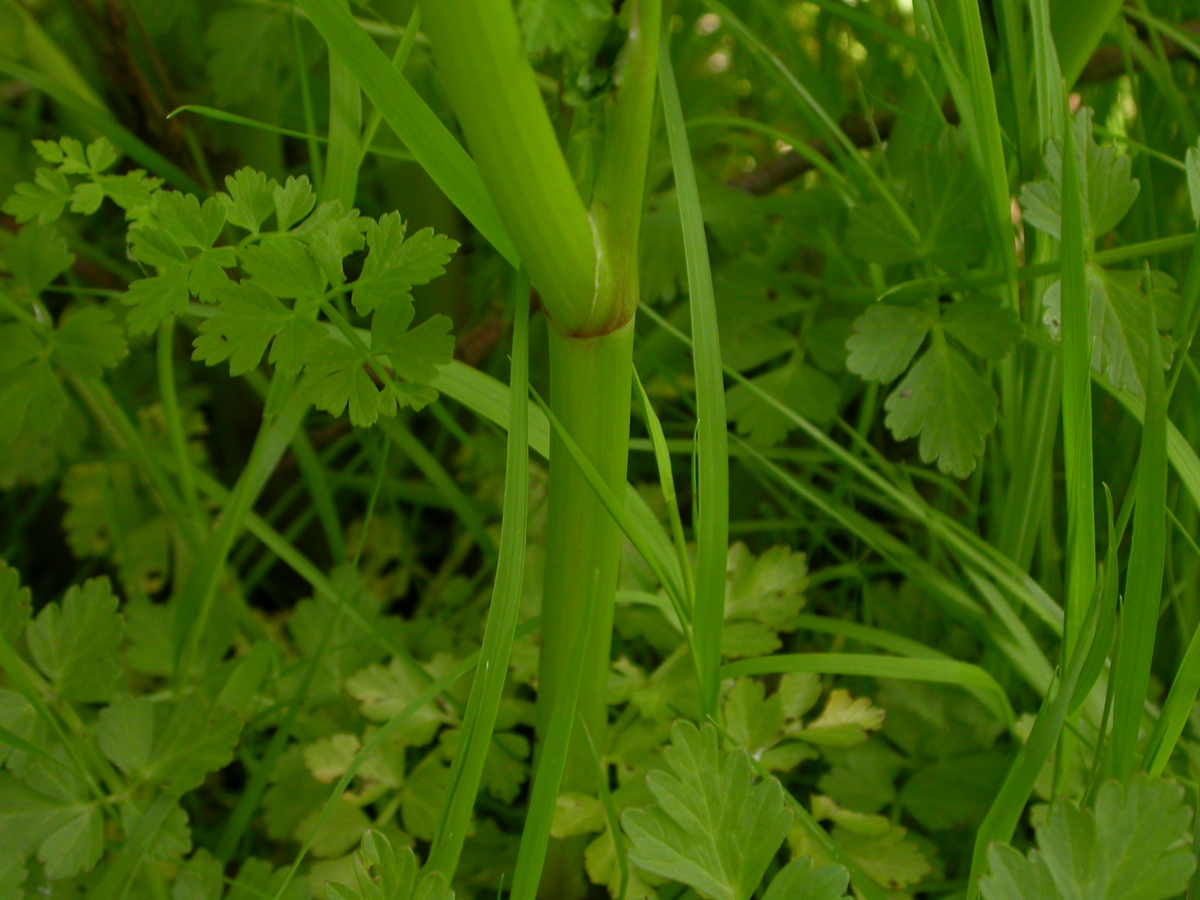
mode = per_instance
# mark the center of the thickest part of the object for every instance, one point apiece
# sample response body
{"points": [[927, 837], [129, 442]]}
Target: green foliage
{"points": [[942, 399], [1133, 844], [713, 827], [302, 261], [241, 660], [382, 873], [1118, 301]]}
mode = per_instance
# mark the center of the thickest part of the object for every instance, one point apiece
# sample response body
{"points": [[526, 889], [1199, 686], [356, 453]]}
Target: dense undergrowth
{"points": [[891, 591]]}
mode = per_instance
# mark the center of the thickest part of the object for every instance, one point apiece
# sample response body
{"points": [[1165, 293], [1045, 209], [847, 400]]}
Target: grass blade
{"points": [[712, 441], [345, 127], [484, 703], [1076, 401], [1143, 580], [941, 671], [1001, 820]]}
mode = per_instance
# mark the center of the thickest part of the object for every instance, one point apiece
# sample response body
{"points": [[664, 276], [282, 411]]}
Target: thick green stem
{"points": [[590, 392], [481, 61], [590, 384]]}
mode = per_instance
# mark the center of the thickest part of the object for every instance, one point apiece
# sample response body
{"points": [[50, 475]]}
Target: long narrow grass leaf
{"points": [[712, 440], [1147, 556], [488, 685]]}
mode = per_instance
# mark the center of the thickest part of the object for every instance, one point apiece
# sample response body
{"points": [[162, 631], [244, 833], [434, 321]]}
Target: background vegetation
{"points": [[907, 601]]}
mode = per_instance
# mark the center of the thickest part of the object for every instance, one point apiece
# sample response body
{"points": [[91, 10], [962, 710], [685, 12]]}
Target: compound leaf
{"points": [[250, 199], [1107, 189], [1135, 845], [174, 744], [1118, 320], [395, 265], [715, 827]]}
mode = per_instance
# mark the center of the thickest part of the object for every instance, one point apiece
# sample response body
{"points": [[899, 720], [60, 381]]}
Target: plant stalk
{"points": [[590, 392]]}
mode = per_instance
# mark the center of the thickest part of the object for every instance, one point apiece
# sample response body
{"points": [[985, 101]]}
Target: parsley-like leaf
{"points": [[945, 402], [984, 328], [762, 595], [293, 201], [939, 192], [798, 386], [247, 321], [563, 26], [173, 744], [75, 643], [715, 827], [31, 399], [250, 199], [36, 256], [43, 200], [1135, 845], [284, 267], [885, 340], [798, 880], [49, 811], [395, 265], [88, 341], [383, 873]]}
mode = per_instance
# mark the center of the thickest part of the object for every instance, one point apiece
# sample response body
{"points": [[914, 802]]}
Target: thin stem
{"points": [[173, 418]]}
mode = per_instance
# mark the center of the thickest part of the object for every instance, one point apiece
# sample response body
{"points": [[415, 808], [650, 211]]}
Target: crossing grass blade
{"points": [[941, 671], [970, 84], [551, 762], [968, 546], [658, 561], [488, 685], [487, 397], [221, 115], [712, 440], [901, 646], [411, 118], [666, 478]]}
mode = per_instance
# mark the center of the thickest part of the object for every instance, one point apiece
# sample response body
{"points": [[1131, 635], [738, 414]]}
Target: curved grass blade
{"points": [[220, 115], [1002, 818], [942, 671]]}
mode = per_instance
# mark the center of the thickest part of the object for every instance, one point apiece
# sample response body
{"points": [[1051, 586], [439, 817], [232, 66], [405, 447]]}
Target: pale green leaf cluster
{"points": [[53, 808], [286, 306]]}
